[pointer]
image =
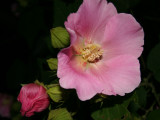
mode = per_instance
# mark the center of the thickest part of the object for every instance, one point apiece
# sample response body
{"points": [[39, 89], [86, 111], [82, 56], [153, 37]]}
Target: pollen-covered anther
{"points": [[92, 53]]}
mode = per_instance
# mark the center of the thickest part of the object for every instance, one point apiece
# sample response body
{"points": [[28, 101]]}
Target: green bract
{"points": [[59, 37], [55, 93], [52, 63]]}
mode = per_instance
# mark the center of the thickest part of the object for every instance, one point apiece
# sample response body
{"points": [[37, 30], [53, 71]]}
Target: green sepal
{"points": [[39, 83], [52, 63], [59, 114], [59, 37]]}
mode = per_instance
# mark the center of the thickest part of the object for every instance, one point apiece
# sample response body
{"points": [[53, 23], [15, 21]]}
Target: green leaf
{"points": [[132, 98], [142, 96], [59, 37], [115, 112], [59, 114], [115, 108], [55, 93], [154, 115], [153, 61], [133, 107], [52, 63]]}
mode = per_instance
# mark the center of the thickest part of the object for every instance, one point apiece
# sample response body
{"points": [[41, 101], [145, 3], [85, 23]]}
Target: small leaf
{"points": [[59, 37], [154, 115], [52, 63], [59, 114], [153, 61], [55, 93]]}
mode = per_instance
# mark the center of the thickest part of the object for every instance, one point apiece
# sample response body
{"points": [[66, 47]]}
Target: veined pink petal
{"points": [[90, 20], [122, 73], [82, 83], [64, 57], [119, 75], [123, 35]]}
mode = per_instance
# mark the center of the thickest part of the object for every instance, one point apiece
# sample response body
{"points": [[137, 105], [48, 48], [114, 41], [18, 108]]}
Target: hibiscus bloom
{"points": [[103, 53]]}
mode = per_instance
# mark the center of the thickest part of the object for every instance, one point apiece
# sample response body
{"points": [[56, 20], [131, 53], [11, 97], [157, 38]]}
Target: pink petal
{"points": [[122, 73], [118, 75], [86, 83], [83, 85], [63, 59], [91, 18], [123, 35]]}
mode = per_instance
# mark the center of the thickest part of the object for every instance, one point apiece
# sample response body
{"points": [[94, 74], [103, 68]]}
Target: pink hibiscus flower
{"points": [[102, 56]]}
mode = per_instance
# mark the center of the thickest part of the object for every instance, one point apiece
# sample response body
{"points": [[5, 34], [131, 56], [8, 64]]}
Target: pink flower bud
{"points": [[33, 98]]}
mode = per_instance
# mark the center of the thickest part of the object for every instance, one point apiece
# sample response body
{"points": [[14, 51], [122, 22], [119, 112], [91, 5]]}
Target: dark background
{"points": [[25, 38]]}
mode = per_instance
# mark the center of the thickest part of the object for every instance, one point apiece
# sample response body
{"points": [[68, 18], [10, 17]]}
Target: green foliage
{"points": [[59, 37], [115, 108], [52, 63], [59, 114], [115, 112], [154, 115], [55, 92], [140, 102], [142, 96], [153, 62], [122, 108]]}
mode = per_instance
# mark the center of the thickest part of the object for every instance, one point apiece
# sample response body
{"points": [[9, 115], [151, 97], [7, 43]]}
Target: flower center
{"points": [[92, 53]]}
